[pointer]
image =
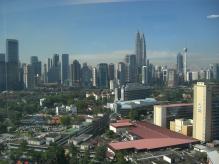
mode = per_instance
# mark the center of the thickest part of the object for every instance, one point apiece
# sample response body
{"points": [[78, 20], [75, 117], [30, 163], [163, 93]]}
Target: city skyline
{"points": [[94, 31]]}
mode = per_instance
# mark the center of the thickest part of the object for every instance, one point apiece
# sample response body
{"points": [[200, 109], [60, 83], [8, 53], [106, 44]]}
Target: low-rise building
{"points": [[183, 126], [120, 126], [52, 137], [163, 114]]}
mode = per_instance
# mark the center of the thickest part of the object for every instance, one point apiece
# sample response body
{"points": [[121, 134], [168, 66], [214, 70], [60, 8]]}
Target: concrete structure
{"points": [[182, 126], [163, 114], [206, 111]]}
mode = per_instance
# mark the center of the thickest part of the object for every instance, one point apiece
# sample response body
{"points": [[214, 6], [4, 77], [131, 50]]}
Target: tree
{"points": [[100, 154], [120, 158], [73, 153], [86, 158], [133, 115], [66, 120]]}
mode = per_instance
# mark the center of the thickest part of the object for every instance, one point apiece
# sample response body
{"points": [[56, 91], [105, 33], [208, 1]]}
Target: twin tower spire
{"points": [[140, 50]]}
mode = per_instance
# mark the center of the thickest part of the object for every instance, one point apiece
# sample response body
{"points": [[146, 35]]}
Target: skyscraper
{"points": [[111, 71], [145, 75], [86, 76], [140, 50], [65, 67], [171, 81], [76, 72], [54, 70], [180, 64], [28, 76], [121, 73], [215, 71], [131, 68], [103, 75], [12, 64], [2, 72], [185, 64], [94, 77], [206, 111], [36, 66]]}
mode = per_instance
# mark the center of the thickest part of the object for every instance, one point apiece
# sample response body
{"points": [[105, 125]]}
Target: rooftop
{"points": [[176, 105], [152, 137]]}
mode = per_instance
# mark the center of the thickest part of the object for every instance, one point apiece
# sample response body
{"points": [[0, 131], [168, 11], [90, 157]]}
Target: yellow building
{"points": [[182, 126], [206, 111]]}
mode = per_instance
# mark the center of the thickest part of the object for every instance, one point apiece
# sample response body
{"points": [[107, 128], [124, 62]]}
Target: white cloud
{"points": [[213, 16]]}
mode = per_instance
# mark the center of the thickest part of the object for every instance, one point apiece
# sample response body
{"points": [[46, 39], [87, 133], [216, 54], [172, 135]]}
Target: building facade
{"points": [[206, 111], [163, 114], [12, 75], [2, 72]]}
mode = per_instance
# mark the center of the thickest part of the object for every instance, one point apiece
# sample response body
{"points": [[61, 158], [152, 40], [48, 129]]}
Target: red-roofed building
{"points": [[120, 125], [151, 137]]}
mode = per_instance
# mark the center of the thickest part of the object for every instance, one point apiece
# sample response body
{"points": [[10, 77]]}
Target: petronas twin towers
{"points": [[140, 50]]}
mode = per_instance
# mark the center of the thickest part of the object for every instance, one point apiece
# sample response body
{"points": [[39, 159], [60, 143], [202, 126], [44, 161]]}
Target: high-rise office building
{"points": [[185, 64], [103, 75], [86, 76], [202, 74], [54, 69], [65, 67], [145, 75], [215, 71], [171, 81], [140, 50], [2, 72], [76, 72], [121, 73], [206, 111], [28, 76], [45, 72], [12, 64], [36, 66], [111, 71], [94, 77], [180, 64], [131, 73]]}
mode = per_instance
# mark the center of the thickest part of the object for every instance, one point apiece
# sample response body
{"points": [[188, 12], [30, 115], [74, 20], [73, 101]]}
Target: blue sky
{"points": [[104, 30]]}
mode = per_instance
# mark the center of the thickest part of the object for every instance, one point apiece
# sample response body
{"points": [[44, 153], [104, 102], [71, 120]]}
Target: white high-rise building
{"points": [[145, 75], [94, 77], [185, 64]]}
